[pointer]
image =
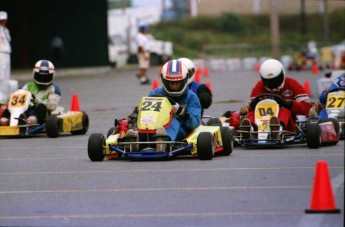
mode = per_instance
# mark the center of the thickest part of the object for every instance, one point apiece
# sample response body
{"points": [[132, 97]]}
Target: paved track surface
{"points": [[52, 182]]}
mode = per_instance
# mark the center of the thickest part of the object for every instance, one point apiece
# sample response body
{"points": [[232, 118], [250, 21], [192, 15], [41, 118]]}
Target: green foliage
{"points": [[229, 23], [191, 35]]}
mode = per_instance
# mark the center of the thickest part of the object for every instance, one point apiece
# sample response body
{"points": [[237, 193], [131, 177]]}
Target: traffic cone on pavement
{"points": [[208, 84], [75, 103], [206, 72], [322, 199], [155, 84], [256, 67], [197, 75], [315, 69], [307, 87]]}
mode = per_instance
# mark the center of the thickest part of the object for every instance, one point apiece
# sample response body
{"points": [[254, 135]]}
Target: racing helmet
{"points": [[174, 77], [44, 72], [191, 68], [272, 74]]}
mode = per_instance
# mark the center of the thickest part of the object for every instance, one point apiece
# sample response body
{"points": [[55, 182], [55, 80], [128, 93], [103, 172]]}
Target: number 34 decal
{"points": [[18, 100]]}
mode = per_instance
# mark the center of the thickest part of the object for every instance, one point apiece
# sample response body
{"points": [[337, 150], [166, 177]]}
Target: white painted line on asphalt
{"points": [[162, 170]]}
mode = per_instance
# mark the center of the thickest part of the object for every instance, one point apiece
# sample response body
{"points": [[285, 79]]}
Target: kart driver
{"points": [[45, 94], [337, 84], [273, 80], [203, 92], [187, 109]]}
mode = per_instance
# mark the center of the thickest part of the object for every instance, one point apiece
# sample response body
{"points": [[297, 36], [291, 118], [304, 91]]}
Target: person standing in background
{"points": [[57, 49], [5, 57], [143, 54]]}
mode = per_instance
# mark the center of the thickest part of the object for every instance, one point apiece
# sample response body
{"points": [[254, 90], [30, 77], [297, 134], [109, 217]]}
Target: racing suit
{"points": [[180, 126], [337, 84], [294, 93], [204, 94]]}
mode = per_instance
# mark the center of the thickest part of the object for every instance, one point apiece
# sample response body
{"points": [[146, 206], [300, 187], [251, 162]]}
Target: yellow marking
{"points": [[18, 100]]}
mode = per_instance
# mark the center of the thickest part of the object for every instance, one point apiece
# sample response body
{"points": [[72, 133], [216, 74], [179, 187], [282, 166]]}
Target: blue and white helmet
{"points": [[44, 72], [174, 71]]}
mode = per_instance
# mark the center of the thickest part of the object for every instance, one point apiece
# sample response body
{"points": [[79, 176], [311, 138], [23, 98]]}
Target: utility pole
{"points": [[325, 21], [303, 27], [275, 33]]}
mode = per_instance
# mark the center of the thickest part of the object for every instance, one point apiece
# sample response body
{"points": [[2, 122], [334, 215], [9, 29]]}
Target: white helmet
{"points": [[190, 67], [44, 72], [272, 74], [174, 71]]}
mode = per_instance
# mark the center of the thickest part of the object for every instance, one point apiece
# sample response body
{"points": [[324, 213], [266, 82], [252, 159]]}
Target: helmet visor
{"points": [[173, 86], [275, 82], [45, 78]]}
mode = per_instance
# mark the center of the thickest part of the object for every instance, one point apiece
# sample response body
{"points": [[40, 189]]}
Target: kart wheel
{"points": [[214, 122], [336, 127], [205, 146], [85, 123], [228, 142], [112, 131], [313, 136], [53, 126], [95, 147]]}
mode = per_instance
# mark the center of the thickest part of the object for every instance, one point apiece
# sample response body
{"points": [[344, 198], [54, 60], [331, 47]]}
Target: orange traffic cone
{"points": [[208, 84], [206, 72], [307, 87], [155, 84], [75, 103], [322, 199], [256, 67], [197, 75], [315, 69]]}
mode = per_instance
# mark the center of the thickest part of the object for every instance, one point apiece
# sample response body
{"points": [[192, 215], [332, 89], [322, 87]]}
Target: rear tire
{"points": [[53, 126], [85, 123], [205, 146], [228, 142], [95, 147], [214, 122], [313, 136]]}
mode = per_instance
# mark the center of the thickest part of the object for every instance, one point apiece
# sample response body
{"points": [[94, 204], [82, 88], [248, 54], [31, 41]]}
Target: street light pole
{"points": [[275, 34]]}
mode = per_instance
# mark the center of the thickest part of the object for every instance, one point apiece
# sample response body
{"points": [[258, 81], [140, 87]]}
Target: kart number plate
{"points": [[18, 100], [264, 111], [335, 100]]}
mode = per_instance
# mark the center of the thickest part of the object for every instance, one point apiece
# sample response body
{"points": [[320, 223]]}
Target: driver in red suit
{"points": [[273, 81]]}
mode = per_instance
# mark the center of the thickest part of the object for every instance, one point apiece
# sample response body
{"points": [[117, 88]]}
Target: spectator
{"points": [[143, 54], [5, 57], [57, 50]]}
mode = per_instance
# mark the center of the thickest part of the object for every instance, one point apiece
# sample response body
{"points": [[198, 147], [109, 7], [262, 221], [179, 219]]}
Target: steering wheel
{"points": [[275, 97]]}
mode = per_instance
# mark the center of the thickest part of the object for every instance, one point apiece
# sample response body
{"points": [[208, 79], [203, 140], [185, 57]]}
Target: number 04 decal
{"points": [[149, 105], [266, 111]]}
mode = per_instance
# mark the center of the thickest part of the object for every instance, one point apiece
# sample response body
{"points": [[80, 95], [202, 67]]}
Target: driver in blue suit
{"points": [[174, 76]]}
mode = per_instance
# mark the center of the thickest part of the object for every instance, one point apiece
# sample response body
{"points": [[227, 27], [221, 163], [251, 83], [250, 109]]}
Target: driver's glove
{"points": [[288, 104], [179, 110]]}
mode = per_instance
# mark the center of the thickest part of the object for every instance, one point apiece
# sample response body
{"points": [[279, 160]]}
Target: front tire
{"points": [[95, 147], [205, 146], [53, 126], [313, 136]]}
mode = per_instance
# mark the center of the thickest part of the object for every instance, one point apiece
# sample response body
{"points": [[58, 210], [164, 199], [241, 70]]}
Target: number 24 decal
{"points": [[148, 105]]}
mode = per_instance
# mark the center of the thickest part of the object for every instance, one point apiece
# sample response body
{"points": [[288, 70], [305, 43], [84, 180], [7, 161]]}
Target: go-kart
{"points": [[153, 112], [267, 106], [75, 122], [334, 110]]}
